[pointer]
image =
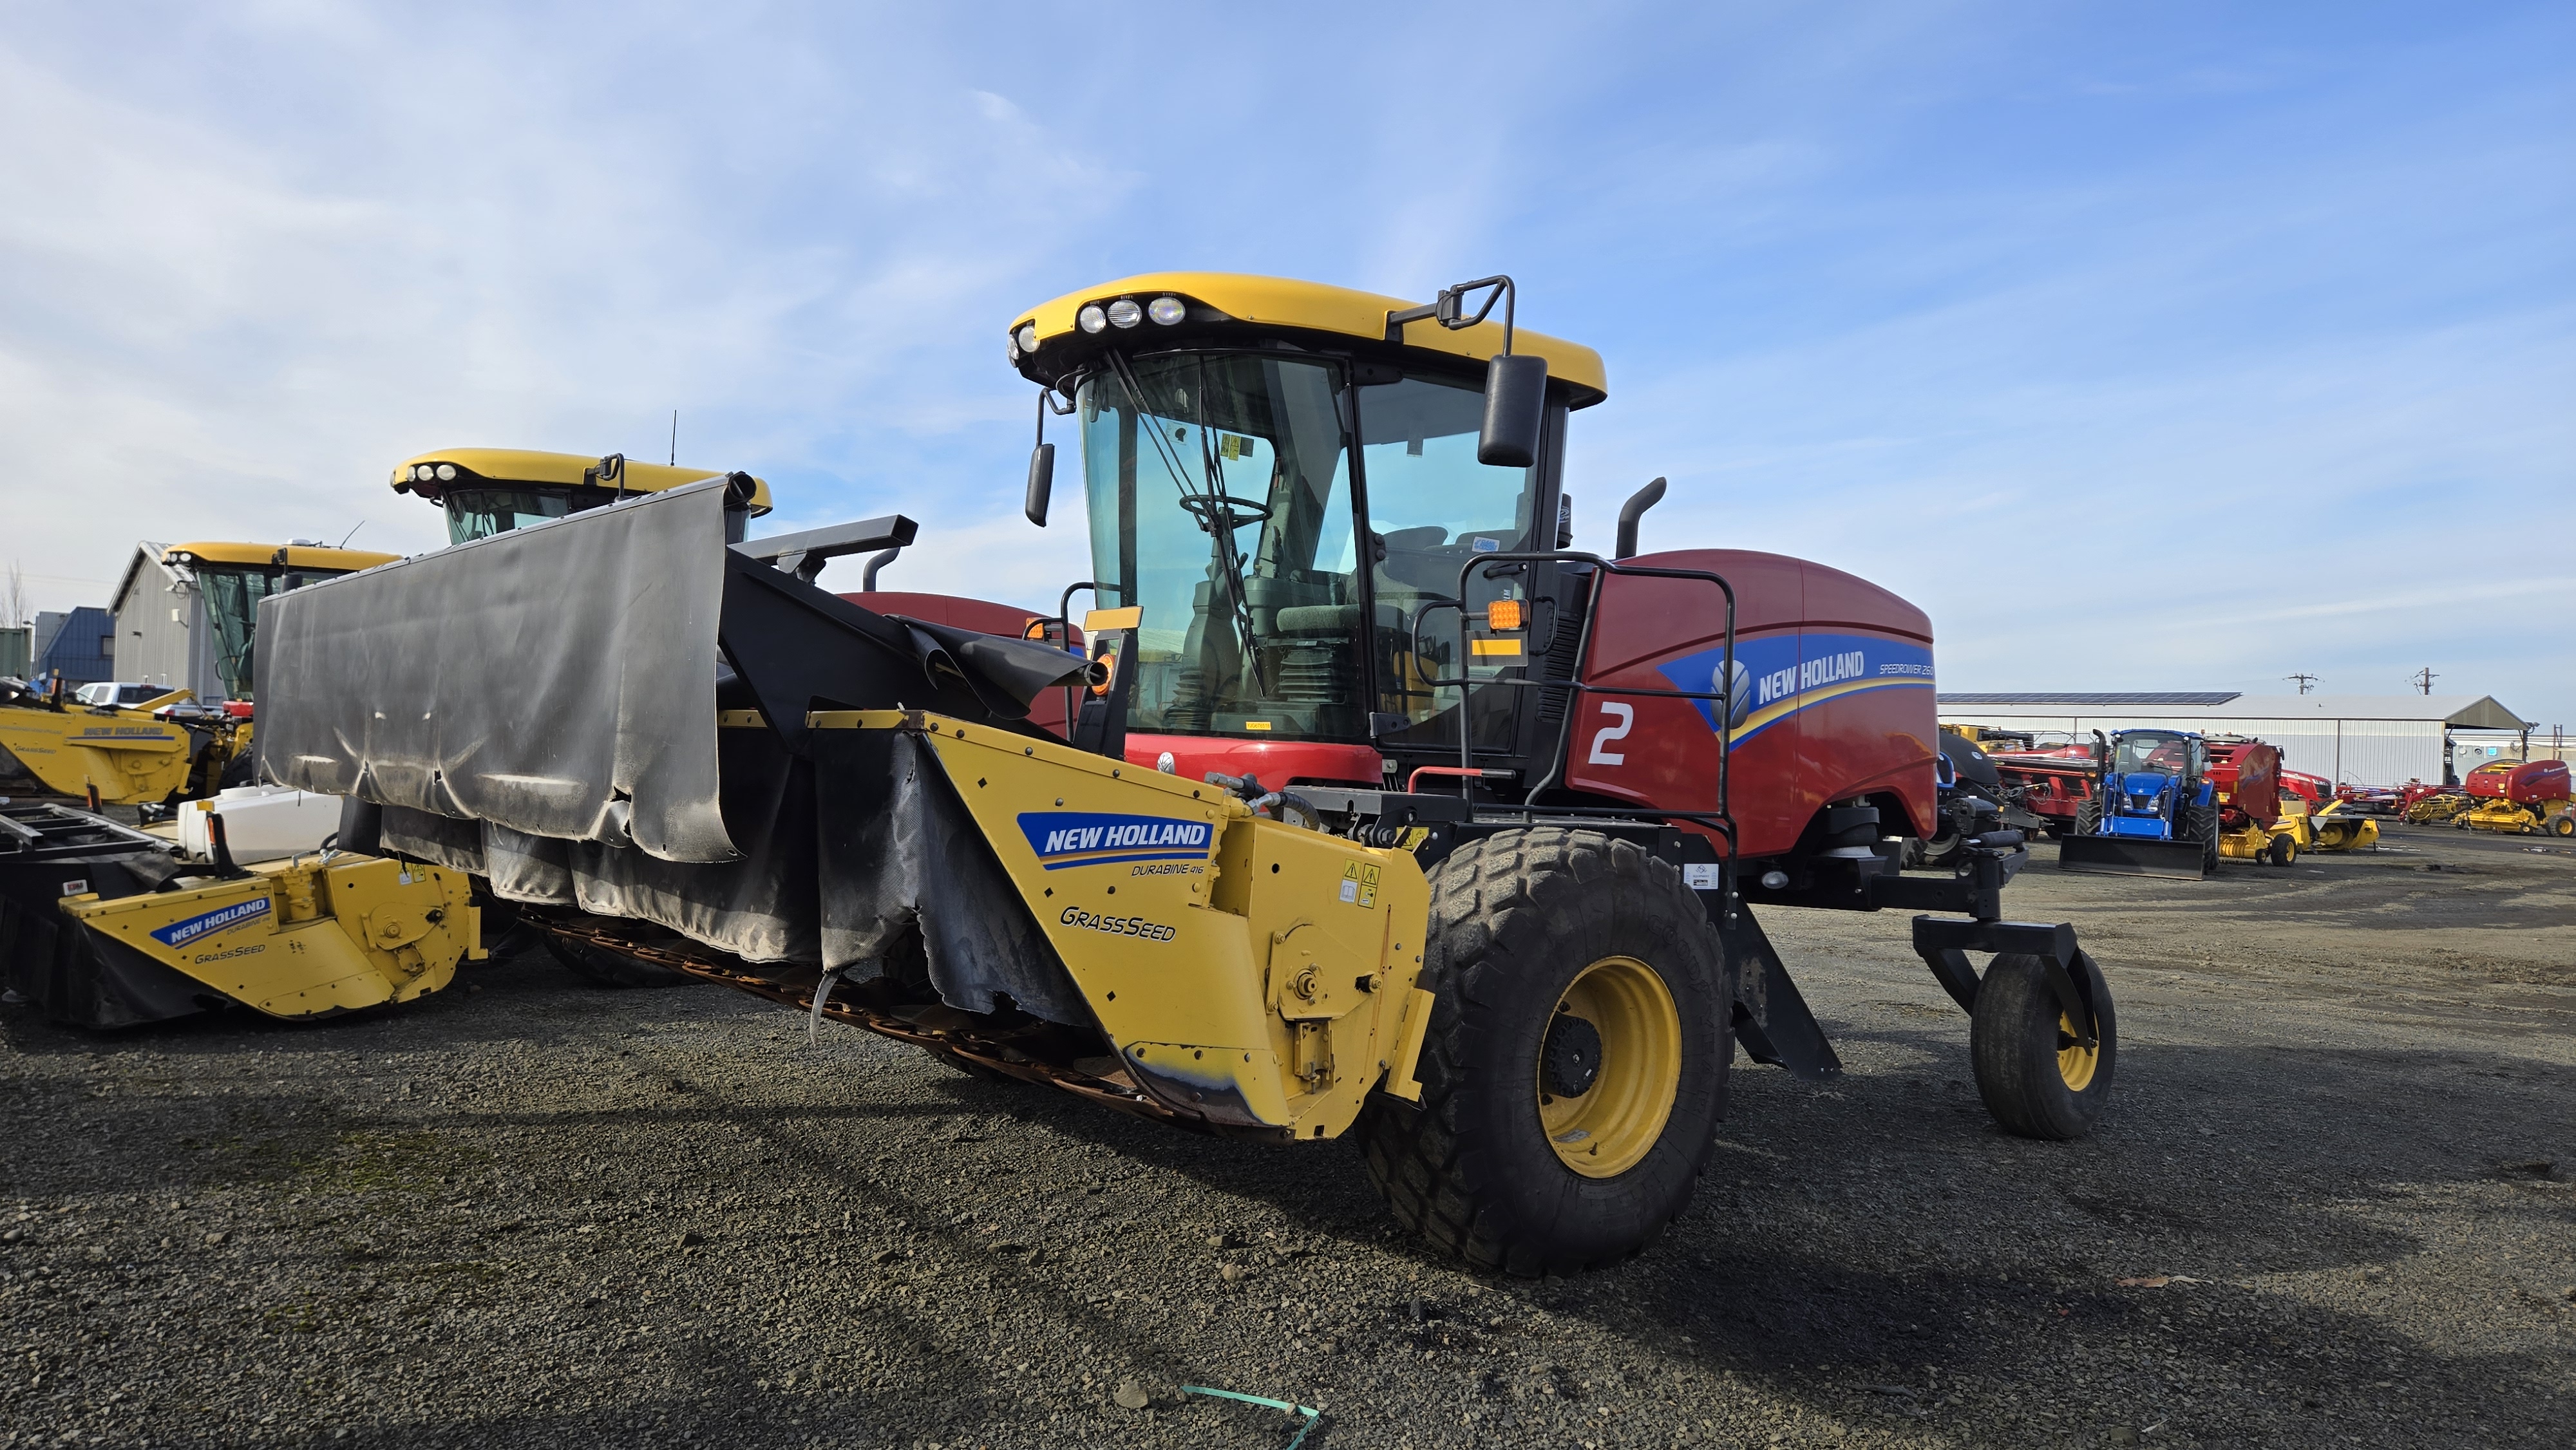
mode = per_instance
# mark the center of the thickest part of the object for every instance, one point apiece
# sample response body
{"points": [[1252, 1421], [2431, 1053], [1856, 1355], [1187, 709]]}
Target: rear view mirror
{"points": [[1041, 483], [1515, 385], [1515, 410]]}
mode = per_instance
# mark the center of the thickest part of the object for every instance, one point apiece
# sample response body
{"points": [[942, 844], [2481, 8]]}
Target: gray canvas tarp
{"points": [[558, 680], [540, 709]]}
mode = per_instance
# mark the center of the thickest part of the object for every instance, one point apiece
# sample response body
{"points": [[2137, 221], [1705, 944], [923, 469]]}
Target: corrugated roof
{"points": [[2168, 697], [2463, 712]]}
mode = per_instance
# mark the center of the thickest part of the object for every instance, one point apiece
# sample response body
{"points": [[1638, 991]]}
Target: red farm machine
{"points": [[2528, 798], [1382, 810]]}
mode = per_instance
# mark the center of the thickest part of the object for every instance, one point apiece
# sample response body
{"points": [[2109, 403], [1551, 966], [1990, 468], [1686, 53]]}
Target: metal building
{"points": [[79, 644], [2349, 739], [162, 636]]}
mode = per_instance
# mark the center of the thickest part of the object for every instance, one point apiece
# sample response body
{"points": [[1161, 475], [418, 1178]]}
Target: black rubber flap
{"points": [[898, 850], [75, 975]]}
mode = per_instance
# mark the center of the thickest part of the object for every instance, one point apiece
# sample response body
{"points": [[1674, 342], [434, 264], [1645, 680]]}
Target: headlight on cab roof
{"points": [[1028, 337], [1125, 313], [1091, 318], [1166, 311]]}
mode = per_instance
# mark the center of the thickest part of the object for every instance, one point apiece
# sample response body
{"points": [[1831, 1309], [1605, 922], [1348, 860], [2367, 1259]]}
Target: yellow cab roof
{"points": [[523, 466], [282, 556], [1281, 304]]}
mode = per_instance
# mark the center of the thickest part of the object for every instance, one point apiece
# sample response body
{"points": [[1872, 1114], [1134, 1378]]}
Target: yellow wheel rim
{"points": [[1602, 1131], [2075, 1061]]}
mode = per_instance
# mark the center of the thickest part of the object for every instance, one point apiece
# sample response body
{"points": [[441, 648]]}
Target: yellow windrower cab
{"points": [[1257, 915], [102, 926], [487, 491], [167, 748]]}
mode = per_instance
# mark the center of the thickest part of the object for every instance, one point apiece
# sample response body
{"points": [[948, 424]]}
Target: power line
{"points": [[2304, 681], [2423, 680]]}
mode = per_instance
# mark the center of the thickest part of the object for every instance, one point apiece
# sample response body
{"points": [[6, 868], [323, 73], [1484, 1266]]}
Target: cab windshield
{"points": [[1219, 488], [2155, 754], [479, 513], [232, 596]]}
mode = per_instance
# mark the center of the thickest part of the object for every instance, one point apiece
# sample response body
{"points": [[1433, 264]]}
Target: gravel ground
{"points": [[2329, 1205]]}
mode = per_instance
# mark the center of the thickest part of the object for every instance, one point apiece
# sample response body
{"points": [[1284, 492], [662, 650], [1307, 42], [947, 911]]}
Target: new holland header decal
{"points": [[222, 918], [1095, 838], [1778, 675]]}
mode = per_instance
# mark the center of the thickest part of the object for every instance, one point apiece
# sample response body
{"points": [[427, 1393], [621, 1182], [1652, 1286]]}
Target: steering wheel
{"points": [[1213, 510]]}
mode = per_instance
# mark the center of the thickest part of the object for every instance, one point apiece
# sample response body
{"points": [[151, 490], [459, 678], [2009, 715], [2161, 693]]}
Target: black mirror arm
{"points": [[1450, 311]]}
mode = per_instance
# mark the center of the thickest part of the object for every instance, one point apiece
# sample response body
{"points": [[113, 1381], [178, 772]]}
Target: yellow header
{"points": [[1280, 302], [503, 467], [285, 556]]}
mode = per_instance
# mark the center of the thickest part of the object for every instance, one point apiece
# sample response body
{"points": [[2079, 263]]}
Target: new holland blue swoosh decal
{"points": [[1778, 675]]}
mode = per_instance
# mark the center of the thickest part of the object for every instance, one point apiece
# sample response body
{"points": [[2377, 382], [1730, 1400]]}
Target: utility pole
{"points": [[2423, 681], [2304, 681]]}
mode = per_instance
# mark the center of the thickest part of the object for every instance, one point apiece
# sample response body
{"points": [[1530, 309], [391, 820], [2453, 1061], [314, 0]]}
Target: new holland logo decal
{"points": [[1090, 838], [224, 918]]}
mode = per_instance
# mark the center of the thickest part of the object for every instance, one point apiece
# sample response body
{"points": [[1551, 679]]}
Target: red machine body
{"points": [[1832, 699], [2054, 783], [1277, 762], [2316, 790], [2246, 776], [1833, 704], [2531, 783]]}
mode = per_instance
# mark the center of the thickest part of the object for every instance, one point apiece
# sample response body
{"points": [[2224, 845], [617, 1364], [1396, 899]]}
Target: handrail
{"points": [[1602, 568]]}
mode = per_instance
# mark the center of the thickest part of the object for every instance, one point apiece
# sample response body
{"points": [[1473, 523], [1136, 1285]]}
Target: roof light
{"points": [[420, 473], [1028, 337], [1125, 313], [1166, 310], [1091, 318], [1015, 351], [446, 472]]}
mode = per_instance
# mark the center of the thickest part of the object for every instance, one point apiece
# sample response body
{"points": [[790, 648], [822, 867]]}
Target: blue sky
{"points": [[2179, 347]]}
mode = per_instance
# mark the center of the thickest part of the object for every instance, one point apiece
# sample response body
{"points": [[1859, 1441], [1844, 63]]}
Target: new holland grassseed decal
{"points": [[1096, 838], [1778, 675], [1135, 926], [225, 918]]}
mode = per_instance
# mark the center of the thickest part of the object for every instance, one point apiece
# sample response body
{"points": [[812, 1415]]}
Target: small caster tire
{"points": [[2037, 1079]]}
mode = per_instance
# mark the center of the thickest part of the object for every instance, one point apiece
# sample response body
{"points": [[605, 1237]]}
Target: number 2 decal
{"points": [[1626, 715]]}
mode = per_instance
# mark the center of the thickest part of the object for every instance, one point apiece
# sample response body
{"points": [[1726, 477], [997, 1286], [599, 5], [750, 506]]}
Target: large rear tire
{"points": [[2036, 1078], [1574, 1069], [2200, 823]]}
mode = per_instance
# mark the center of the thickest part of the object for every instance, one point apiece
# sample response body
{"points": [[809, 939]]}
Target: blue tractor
{"points": [[2155, 812]]}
